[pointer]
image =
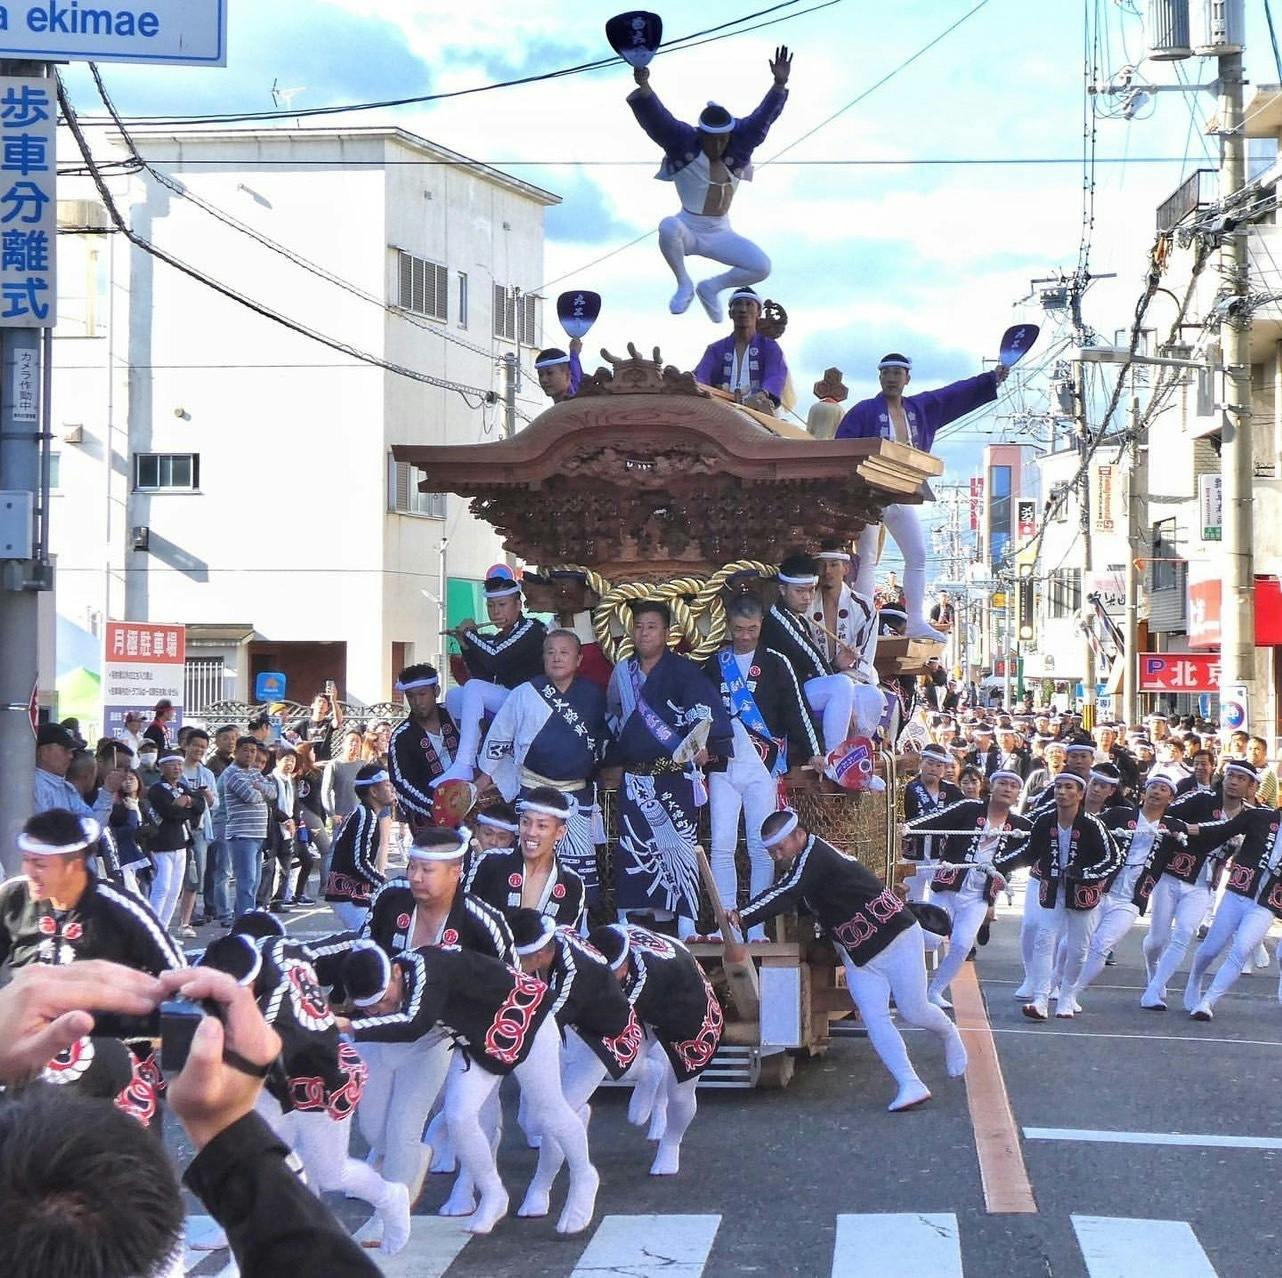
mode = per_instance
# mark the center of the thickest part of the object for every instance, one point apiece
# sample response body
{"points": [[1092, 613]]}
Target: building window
{"points": [[462, 299], [202, 683], [516, 315], [166, 472], [1166, 556], [424, 287], [999, 513], [55, 471], [1064, 593], [405, 497]]}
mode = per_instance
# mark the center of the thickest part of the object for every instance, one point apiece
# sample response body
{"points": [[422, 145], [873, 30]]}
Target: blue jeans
{"points": [[246, 857], [217, 880]]}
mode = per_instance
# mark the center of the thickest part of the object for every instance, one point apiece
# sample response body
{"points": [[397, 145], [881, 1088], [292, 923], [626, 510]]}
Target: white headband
{"points": [[832, 554], [744, 294], [798, 581], [552, 362], [1081, 746], [1160, 778], [936, 752], [716, 128], [1069, 776], [495, 824], [385, 966], [506, 593], [546, 809], [172, 757], [1103, 776], [88, 827], [896, 363], [783, 831], [377, 779], [1005, 774], [549, 930], [1236, 765], [417, 853], [418, 683]]}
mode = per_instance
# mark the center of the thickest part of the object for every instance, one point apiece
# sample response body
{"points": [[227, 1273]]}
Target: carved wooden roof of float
{"points": [[645, 475]]}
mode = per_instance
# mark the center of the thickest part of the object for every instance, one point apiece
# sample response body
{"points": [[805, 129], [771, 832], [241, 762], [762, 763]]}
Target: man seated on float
{"points": [[786, 629], [912, 420], [423, 745], [840, 618], [497, 663], [551, 733], [747, 364], [560, 375], [572, 611]]}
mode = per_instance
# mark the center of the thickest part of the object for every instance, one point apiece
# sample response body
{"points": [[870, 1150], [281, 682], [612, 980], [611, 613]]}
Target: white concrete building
{"points": [[215, 468]]}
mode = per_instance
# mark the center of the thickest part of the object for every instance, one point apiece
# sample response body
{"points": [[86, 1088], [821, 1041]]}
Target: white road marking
{"points": [[649, 1247], [435, 1242], [1115, 1247], [1151, 1138], [1058, 1034], [870, 1246]]}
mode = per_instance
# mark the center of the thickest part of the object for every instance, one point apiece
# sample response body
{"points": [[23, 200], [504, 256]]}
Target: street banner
{"points": [[186, 32], [1026, 512], [143, 662], [1179, 672], [28, 212], [1104, 498]]}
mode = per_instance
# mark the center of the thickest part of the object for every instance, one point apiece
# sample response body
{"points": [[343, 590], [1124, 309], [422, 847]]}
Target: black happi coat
{"points": [[1092, 861], [414, 763], [498, 876], [963, 849], [511, 657], [353, 865], [919, 802], [858, 910], [589, 1000]]}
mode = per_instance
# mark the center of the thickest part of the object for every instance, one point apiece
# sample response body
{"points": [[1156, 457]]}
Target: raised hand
{"points": [[780, 65], [642, 76]]}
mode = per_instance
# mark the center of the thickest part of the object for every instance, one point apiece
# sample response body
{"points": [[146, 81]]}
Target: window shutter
{"points": [[402, 486], [405, 264]]}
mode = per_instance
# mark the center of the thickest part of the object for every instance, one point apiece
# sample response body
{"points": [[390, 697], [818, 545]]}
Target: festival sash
{"points": [[632, 700], [746, 710], [563, 710]]}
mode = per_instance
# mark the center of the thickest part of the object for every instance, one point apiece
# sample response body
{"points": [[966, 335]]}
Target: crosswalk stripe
{"points": [[201, 1231], [649, 1247], [1117, 1247], [434, 1243], [897, 1243]]}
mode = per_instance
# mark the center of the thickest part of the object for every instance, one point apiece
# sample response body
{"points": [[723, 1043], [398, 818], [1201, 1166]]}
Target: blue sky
{"points": [[931, 258]]}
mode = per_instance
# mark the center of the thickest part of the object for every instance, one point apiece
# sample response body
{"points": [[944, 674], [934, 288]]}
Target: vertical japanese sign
{"points": [[1105, 496], [1210, 501], [28, 208], [144, 662], [1027, 513]]}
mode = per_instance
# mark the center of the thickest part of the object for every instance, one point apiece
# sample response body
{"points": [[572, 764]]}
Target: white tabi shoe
{"points": [[1202, 1012], [682, 298], [939, 1001], [396, 1221], [955, 1056], [1024, 992], [1036, 1010], [710, 297], [920, 628], [910, 1096]]}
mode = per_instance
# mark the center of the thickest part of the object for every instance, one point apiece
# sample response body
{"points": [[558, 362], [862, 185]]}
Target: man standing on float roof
{"points": [[912, 420], [707, 164]]}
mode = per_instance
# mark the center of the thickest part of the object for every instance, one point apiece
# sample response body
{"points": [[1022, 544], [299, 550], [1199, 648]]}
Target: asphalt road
{"points": [[785, 1182]]}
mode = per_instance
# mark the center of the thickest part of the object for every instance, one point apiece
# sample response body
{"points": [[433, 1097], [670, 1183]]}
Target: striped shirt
{"points": [[249, 797]]}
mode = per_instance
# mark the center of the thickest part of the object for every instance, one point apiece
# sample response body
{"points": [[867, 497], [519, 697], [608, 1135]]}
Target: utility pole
{"points": [[1237, 609], [1084, 442], [24, 432], [511, 379], [1136, 524]]}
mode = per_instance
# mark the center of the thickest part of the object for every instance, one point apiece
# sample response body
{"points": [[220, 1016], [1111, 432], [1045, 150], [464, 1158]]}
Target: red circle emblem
{"points": [[514, 880], [559, 891], [73, 932], [47, 926], [402, 920], [449, 937], [754, 672], [843, 612]]}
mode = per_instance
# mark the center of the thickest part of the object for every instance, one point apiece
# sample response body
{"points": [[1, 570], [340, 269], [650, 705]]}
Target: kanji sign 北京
{"points": [[28, 203], [1179, 672]]}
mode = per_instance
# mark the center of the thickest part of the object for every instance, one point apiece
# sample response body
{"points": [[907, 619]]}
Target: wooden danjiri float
{"points": [[658, 487]]}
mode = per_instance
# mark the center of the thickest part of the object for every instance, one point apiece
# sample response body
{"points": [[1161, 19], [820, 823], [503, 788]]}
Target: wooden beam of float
{"points": [[645, 476]]}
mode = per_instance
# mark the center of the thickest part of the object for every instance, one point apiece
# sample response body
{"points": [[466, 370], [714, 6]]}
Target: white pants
{"points": [[744, 786], [899, 970], [1075, 926], [469, 704], [968, 911], [321, 1142], [1175, 912], [903, 523], [352, 917], [695, 235], [1113, 921], [832, 697], [1238, 920], [869, 706], [1028, 928], [167, 886], [404, 1080], [469, 1088]]}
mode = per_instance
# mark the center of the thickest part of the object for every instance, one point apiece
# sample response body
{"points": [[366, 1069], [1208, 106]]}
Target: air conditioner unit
{"points": [[81, 215], [1166, 24], [1219, 26], [72, 433]]}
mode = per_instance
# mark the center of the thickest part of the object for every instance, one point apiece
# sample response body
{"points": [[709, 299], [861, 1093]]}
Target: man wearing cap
{"points": [[672, 998], [531, 876], [772, 726], [57, 912], [1072, 857], [424, 744], [977, 831], [499, 1017], [912, 420], [358, 853], [667, 720], [55, 749], [786, 629], [551, 733], [877, 937], [924, 795], [560, 374], [706, 164], [131, 733], [751, 367], [496, 664]]}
